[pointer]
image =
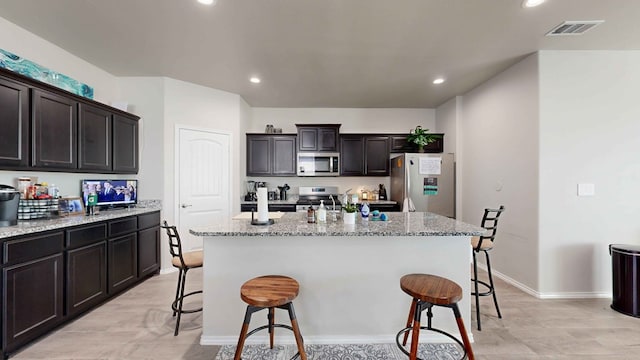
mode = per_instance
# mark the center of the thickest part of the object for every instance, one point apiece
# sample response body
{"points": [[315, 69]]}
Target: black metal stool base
{"points": [[175, 306], [253, 309], [409, 329]]}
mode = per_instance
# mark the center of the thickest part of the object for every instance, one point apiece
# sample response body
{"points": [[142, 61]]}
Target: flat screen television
{"points": [[111, 193]]}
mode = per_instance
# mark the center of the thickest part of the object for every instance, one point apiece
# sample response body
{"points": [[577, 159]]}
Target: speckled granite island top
{"points": [[25, 227], [295, 224]]}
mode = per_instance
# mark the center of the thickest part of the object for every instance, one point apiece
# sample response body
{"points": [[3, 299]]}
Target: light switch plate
{"points": [[586, 189]]}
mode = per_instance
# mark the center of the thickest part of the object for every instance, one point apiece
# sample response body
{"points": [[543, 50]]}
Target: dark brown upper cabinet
{"points": [[271, 155], [54, 122], [125, 144], [14, 120], [364, 155], [313, 138], [94, 136], [399, 144], [48, 129]]}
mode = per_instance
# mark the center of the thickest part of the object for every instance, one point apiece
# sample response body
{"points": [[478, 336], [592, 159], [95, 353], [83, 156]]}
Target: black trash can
{"points": [[625, 260]]}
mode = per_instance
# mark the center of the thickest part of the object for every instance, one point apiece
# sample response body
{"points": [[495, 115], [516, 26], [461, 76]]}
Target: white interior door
{"points": [[203, 181]]}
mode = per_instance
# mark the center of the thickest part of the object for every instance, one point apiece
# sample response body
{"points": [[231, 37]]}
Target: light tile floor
{"points": [[138, 325]]}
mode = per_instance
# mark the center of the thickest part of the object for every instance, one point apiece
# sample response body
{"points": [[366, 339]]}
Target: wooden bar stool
{"points": [[270, 292], [428, 291]]}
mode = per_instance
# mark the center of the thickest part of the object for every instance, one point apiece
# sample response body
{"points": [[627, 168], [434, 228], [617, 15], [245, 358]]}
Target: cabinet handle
{"points": [[186, 205]]}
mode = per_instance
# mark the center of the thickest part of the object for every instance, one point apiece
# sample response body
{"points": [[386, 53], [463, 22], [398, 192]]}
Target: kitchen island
{"points": [[349, 275]]}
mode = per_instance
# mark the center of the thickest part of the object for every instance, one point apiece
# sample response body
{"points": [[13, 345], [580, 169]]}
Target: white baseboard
{"points": [[548, 295], [168, 270], [350, 339]]}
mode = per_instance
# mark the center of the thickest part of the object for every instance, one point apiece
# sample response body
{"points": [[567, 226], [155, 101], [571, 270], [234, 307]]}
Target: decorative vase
{"points": [[420, 148], [349, 218]]}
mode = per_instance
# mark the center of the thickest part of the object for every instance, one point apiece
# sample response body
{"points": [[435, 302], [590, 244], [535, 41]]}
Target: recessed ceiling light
{"points": [[438, 81], [531, 3], [255, 79], [208, 2]]}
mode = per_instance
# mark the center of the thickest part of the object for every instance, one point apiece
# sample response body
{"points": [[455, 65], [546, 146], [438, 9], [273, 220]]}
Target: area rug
{"points": [[448, 351]]}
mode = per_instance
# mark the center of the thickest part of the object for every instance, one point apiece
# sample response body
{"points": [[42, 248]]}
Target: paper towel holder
{"points": [[256, 222]]}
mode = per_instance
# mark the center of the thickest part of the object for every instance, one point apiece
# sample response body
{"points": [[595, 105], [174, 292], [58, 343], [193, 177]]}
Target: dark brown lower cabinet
{"points": [[52, 277], [32, 299], [148, 251], [86, 277], [123, 264]]}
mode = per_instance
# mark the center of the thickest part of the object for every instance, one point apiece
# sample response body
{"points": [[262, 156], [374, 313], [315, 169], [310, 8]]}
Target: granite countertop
{"points": [[25, 227], [295, 224]]}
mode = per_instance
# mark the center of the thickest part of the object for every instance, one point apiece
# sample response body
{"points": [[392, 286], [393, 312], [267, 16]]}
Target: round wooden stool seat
{"points": [[431, 288], [269, 291]]}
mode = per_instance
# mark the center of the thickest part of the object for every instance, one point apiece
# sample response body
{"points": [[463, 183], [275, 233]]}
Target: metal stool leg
{"points": [[476, 292], [175, 300], [463, 332], [493, 289], [180, 301], [296, 331], [243, 331]]}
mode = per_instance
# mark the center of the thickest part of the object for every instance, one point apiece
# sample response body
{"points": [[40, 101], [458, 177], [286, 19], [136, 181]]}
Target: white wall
{"points": [[29, 46], [448, 115], [499, 130], [589, 133], [352, 120], [36, 49]]}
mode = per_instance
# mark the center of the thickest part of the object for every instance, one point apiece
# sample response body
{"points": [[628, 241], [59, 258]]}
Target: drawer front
{"points": [[86, 235], [123, 226], [32, 247], [148, 220]]}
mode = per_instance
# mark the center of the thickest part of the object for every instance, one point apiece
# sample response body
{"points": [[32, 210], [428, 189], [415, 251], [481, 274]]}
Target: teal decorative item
{"points": [[30, 69]]}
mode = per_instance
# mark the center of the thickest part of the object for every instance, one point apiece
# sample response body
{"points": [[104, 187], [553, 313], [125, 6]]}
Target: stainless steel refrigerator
{"points": [[424, 182]]}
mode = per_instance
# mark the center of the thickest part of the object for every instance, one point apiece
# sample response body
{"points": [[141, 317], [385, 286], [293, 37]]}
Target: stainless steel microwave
{"points": [[318, 164]]}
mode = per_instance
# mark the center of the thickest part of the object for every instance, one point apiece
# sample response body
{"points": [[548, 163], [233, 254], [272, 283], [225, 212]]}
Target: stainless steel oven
{"points": [[318, 164]]}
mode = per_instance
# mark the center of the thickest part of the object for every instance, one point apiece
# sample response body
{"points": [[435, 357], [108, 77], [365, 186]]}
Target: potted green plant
{"points": [[420, 137], [350, 210]]}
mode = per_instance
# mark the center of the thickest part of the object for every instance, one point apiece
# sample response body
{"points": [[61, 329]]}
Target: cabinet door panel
{"points": [[258, 160], [376, 150], [351, 155], [284, 155], [148, 251], [14, 121], [327, 139], [33, 299], [125, 145], [307, 139], [94, 127], [122, 262], [54, 131], [86, 277]]}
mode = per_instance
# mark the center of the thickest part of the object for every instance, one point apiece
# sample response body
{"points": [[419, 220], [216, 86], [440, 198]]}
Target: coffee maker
{"points": [[251, 191], [9, 201]]}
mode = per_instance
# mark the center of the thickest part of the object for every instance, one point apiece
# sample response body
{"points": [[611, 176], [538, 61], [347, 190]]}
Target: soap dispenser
{"points": [[322, 212]]}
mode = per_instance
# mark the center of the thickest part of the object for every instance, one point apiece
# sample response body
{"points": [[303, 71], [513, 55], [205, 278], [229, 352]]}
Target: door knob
{"points": [[186, 205]]}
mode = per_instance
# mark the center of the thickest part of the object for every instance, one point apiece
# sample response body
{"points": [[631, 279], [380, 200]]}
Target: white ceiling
{"points": [[322, 53]]}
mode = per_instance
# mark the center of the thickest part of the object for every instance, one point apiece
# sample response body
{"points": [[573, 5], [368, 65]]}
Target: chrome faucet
{"points": [[334, 214]]}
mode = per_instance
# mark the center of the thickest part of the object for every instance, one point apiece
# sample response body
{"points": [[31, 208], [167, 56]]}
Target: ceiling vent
{"points": [[574, 27]]}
